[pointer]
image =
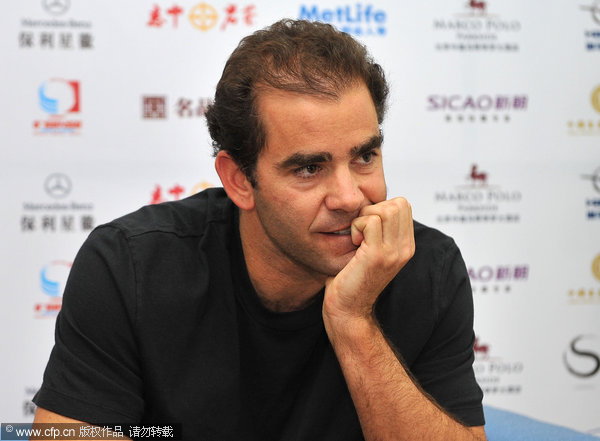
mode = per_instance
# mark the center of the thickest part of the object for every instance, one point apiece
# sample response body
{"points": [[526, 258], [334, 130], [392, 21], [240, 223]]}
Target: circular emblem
{"points": [[596, 99], [595, 9], [203, 16], [56, 7], [596, 267], [201, 186], [596, 180], [57, 185]]}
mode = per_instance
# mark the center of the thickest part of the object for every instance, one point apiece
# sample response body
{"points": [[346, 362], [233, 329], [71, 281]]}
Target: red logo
{"points": [[481, 349], [154, 107], [60, 99], [477, 176], [202, 16], [175, 192], [474, 5]]}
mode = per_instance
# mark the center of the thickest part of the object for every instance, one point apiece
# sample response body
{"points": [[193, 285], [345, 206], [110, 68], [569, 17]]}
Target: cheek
{"points": [[302, 209], [291, 204], [375, 189]]}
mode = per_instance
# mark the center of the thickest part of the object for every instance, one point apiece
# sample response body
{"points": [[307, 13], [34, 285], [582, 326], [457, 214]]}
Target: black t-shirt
{"points": [[160, 324]]}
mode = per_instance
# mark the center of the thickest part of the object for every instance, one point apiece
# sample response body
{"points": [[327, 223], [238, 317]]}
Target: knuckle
{"points": [[402, 203], [374, 220]]}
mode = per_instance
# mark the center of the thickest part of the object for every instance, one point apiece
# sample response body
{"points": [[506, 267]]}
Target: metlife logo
{"points": [[358, 19]]}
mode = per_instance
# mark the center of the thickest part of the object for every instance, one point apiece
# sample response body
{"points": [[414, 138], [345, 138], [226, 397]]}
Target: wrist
{"points": [[350, 329]]}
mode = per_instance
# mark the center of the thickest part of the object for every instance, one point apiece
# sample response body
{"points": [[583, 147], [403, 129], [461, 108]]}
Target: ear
{"points": [[234, 180]]}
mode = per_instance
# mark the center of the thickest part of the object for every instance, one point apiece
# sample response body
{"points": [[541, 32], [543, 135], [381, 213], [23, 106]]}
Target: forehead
{"points": [[296, 122]]}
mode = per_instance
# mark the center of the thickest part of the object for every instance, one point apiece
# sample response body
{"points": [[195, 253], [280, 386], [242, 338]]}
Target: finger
{"points": [[356, 234], [368, 229], [393, 214]]}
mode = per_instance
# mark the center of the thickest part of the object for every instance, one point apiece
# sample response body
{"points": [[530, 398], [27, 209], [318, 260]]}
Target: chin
{"points": [[336, 264]]}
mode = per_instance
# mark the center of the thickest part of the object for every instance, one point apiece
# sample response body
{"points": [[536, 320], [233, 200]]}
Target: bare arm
{"points": [[389, 404], [46, 416]]}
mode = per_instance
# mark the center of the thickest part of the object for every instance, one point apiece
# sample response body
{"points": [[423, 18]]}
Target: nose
{"points": [[343, 191]]}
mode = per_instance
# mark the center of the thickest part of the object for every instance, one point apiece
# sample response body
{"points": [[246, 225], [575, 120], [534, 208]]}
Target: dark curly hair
{"points": [[291, 55]]}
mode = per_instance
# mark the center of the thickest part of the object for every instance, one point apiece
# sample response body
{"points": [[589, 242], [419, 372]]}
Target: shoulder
{"points": [[431, 240], [187, 217], [434, 252], [154, 236]]}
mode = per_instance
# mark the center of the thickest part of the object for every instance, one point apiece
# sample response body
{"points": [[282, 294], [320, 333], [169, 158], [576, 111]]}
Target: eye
{"points": [[366, 158], [307, 171]]}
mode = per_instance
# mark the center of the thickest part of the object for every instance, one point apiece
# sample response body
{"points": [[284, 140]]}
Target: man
{"points": [[301, 304]]}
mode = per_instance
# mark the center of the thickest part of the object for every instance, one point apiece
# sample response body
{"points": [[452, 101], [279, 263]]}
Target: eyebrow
{"points": [[299, 159], [374, 142]]}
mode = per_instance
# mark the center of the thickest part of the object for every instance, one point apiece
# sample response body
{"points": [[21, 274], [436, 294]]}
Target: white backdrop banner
{"points": [[493, 135]]}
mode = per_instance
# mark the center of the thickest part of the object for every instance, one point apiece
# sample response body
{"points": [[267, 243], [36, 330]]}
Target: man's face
{"points": [[321, 165]]}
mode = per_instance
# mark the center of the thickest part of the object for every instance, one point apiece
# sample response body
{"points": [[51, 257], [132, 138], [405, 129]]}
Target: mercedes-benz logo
{"points": [[57, 185], [595, 178], [56, 7], [594, 9]]}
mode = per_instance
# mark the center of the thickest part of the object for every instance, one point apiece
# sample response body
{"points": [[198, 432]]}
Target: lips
{"points": [[340, 232], [344, 232]]}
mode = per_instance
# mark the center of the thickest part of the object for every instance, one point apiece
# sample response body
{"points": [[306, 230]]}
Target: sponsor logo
{"points": [[54, 30], [29, 407], [359, 19], [594, 10], [56, 7], [476, 201], [486, 108], [592, 204], [60, 99], [595, 179], [590, 124], [57, 213], [495, 374], [582, 357], [496, 279], [477, 28], [590, 294], [595, 99], [155, 107], [202, 16], [592, 35], [57, 185], [53, 277], [596, 267], [175, 192]]}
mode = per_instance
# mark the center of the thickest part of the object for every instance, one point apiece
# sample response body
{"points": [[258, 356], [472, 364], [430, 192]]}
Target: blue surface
{"points": [[501, 425]]}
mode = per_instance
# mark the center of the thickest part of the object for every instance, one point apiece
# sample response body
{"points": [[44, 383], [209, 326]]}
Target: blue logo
{"points": [[58, 96], [53, 277], [358, 19]]}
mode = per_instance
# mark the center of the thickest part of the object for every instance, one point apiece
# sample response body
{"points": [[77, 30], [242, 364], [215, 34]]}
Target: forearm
{"points": [[389, 404]]}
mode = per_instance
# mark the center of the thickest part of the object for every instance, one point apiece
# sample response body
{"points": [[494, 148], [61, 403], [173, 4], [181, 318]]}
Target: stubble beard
{"points": [[284, 241]]}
